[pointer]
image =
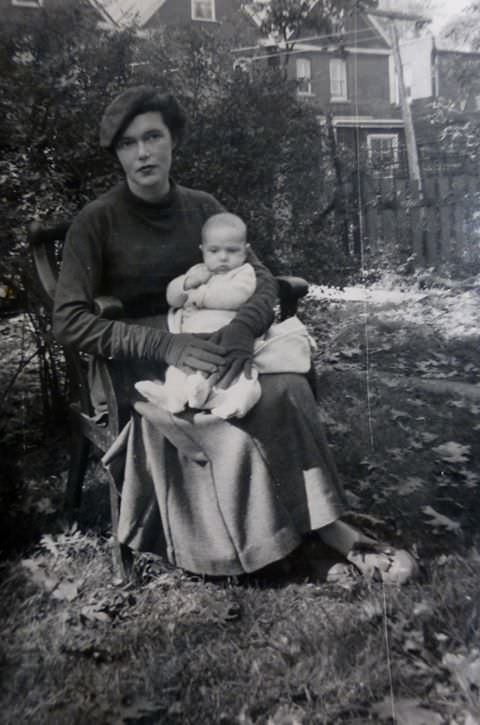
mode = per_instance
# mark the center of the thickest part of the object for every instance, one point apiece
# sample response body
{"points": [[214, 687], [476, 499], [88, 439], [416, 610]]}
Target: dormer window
{"points": [[304, 76], [203, 10]]}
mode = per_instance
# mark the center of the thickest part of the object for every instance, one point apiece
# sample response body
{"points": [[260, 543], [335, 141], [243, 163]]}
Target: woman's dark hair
{"points": [[135, 101]]}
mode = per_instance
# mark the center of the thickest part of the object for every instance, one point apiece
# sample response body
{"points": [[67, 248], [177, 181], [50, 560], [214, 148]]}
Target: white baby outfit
{"points": [[285, 347]]}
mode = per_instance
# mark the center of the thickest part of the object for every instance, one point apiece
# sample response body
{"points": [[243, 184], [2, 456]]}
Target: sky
{"points": [[445, 10]]}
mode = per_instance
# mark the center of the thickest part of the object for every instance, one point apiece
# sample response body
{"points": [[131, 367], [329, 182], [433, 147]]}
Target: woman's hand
{"points": [[238, 342], [193, 351]]}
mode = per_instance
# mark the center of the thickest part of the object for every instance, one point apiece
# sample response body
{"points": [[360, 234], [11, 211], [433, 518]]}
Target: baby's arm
{"points": [[196, 276], [228, 292], [176, 295], [180, 288]]}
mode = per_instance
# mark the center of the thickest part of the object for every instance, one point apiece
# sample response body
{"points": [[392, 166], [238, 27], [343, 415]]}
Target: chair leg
{"points": [[122, 554], [80, 450]]}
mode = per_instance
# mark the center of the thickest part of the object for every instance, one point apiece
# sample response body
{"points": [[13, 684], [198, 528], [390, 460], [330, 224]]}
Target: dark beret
{"points": [[135, 101], [122, 110]]}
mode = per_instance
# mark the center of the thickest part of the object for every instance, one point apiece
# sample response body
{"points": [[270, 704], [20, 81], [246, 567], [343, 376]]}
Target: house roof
{"points": [[258, 16], [126, 12]]}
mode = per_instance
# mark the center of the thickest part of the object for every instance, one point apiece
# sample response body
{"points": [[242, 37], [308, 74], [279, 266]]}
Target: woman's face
{"points": [[145, 153]]}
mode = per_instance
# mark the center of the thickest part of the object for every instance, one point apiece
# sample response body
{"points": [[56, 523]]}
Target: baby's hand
{"points": [[197, 276]]}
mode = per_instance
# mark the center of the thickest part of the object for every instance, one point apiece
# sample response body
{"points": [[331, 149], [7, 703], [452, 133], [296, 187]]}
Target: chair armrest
{"points": [[291, 290], [112, 373]]}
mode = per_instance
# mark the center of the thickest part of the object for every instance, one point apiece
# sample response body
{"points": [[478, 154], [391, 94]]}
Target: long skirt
{"points": [[222, 497]]}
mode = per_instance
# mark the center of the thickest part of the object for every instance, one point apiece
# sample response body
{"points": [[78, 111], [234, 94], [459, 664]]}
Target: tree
{"points": [[286, 20], [463, 31]]}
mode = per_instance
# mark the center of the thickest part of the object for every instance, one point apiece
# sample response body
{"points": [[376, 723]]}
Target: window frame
{"points": [[27, 3], [340, 63], [304, 78], [393, 137], [193, 6]]}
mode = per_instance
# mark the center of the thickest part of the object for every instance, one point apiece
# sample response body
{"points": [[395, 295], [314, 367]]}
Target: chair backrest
{"points": [[46, 245]]}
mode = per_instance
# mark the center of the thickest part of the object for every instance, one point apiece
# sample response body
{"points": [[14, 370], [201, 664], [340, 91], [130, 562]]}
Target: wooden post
{"points": [[410, 138]]}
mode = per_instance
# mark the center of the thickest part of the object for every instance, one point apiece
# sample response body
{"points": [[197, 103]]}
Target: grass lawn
{"points": [[397, 376]]}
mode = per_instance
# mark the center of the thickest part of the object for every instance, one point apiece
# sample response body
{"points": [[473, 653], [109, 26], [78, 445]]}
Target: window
{"points": [[304, 76], [383, 149], [338, 79], [203, 9], [27, 3]]}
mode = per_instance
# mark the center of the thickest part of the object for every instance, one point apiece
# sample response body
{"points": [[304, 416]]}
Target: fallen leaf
{"points": [[423, 609], [407, 712], [471, 720], [452, 452], [175, 708], [39, 576], [395, 453], [141, 709], [396, 414], [350, 352], [410, 485], [44, 506], [287, 715], [471, 479], [95, 614], [243, 718], [439, 520], [428, 437], [465, 667], [66, 590]]}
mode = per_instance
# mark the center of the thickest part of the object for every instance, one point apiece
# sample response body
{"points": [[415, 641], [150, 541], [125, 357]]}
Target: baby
{"points": [[206, 298]]}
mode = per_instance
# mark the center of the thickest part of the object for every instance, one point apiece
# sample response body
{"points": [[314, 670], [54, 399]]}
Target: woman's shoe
{"points": [[394, 566], [341, 574]]}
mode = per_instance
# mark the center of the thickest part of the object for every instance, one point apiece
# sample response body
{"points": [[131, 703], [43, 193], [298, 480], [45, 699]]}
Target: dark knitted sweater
{"points": [[122, 246]]}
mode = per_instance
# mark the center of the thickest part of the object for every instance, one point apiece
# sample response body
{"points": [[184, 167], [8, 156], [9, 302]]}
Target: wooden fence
{"points": [[386, 214]]}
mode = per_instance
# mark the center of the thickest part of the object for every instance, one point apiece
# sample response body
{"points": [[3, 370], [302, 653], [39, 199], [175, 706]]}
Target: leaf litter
{"points": [[101, 623]]}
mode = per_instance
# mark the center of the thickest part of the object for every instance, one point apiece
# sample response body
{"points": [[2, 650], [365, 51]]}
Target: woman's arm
{"points": [[257, 314], [76, 325]]}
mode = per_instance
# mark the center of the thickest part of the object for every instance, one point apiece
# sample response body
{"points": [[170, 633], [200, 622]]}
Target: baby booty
{"points": [[198, 390]]}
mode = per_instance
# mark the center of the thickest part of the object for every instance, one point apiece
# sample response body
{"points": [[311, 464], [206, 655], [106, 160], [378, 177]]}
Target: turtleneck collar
{"points": [[163, 207]]}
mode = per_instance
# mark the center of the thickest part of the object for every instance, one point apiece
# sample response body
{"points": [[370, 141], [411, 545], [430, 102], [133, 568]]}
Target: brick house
{"points": [[223, 15], [226, 17], [350, 76]]}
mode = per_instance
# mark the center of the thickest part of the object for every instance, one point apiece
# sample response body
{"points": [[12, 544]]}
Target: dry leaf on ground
{"points": [[407, 712], [452, 452], [440, 521]]}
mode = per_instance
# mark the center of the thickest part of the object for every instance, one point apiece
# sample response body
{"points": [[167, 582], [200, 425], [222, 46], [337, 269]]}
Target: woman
{"points": [[213, 497]]}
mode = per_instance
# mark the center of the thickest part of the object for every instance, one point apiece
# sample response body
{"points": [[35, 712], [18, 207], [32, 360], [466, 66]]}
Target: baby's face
{"points": [[223, 249]]}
